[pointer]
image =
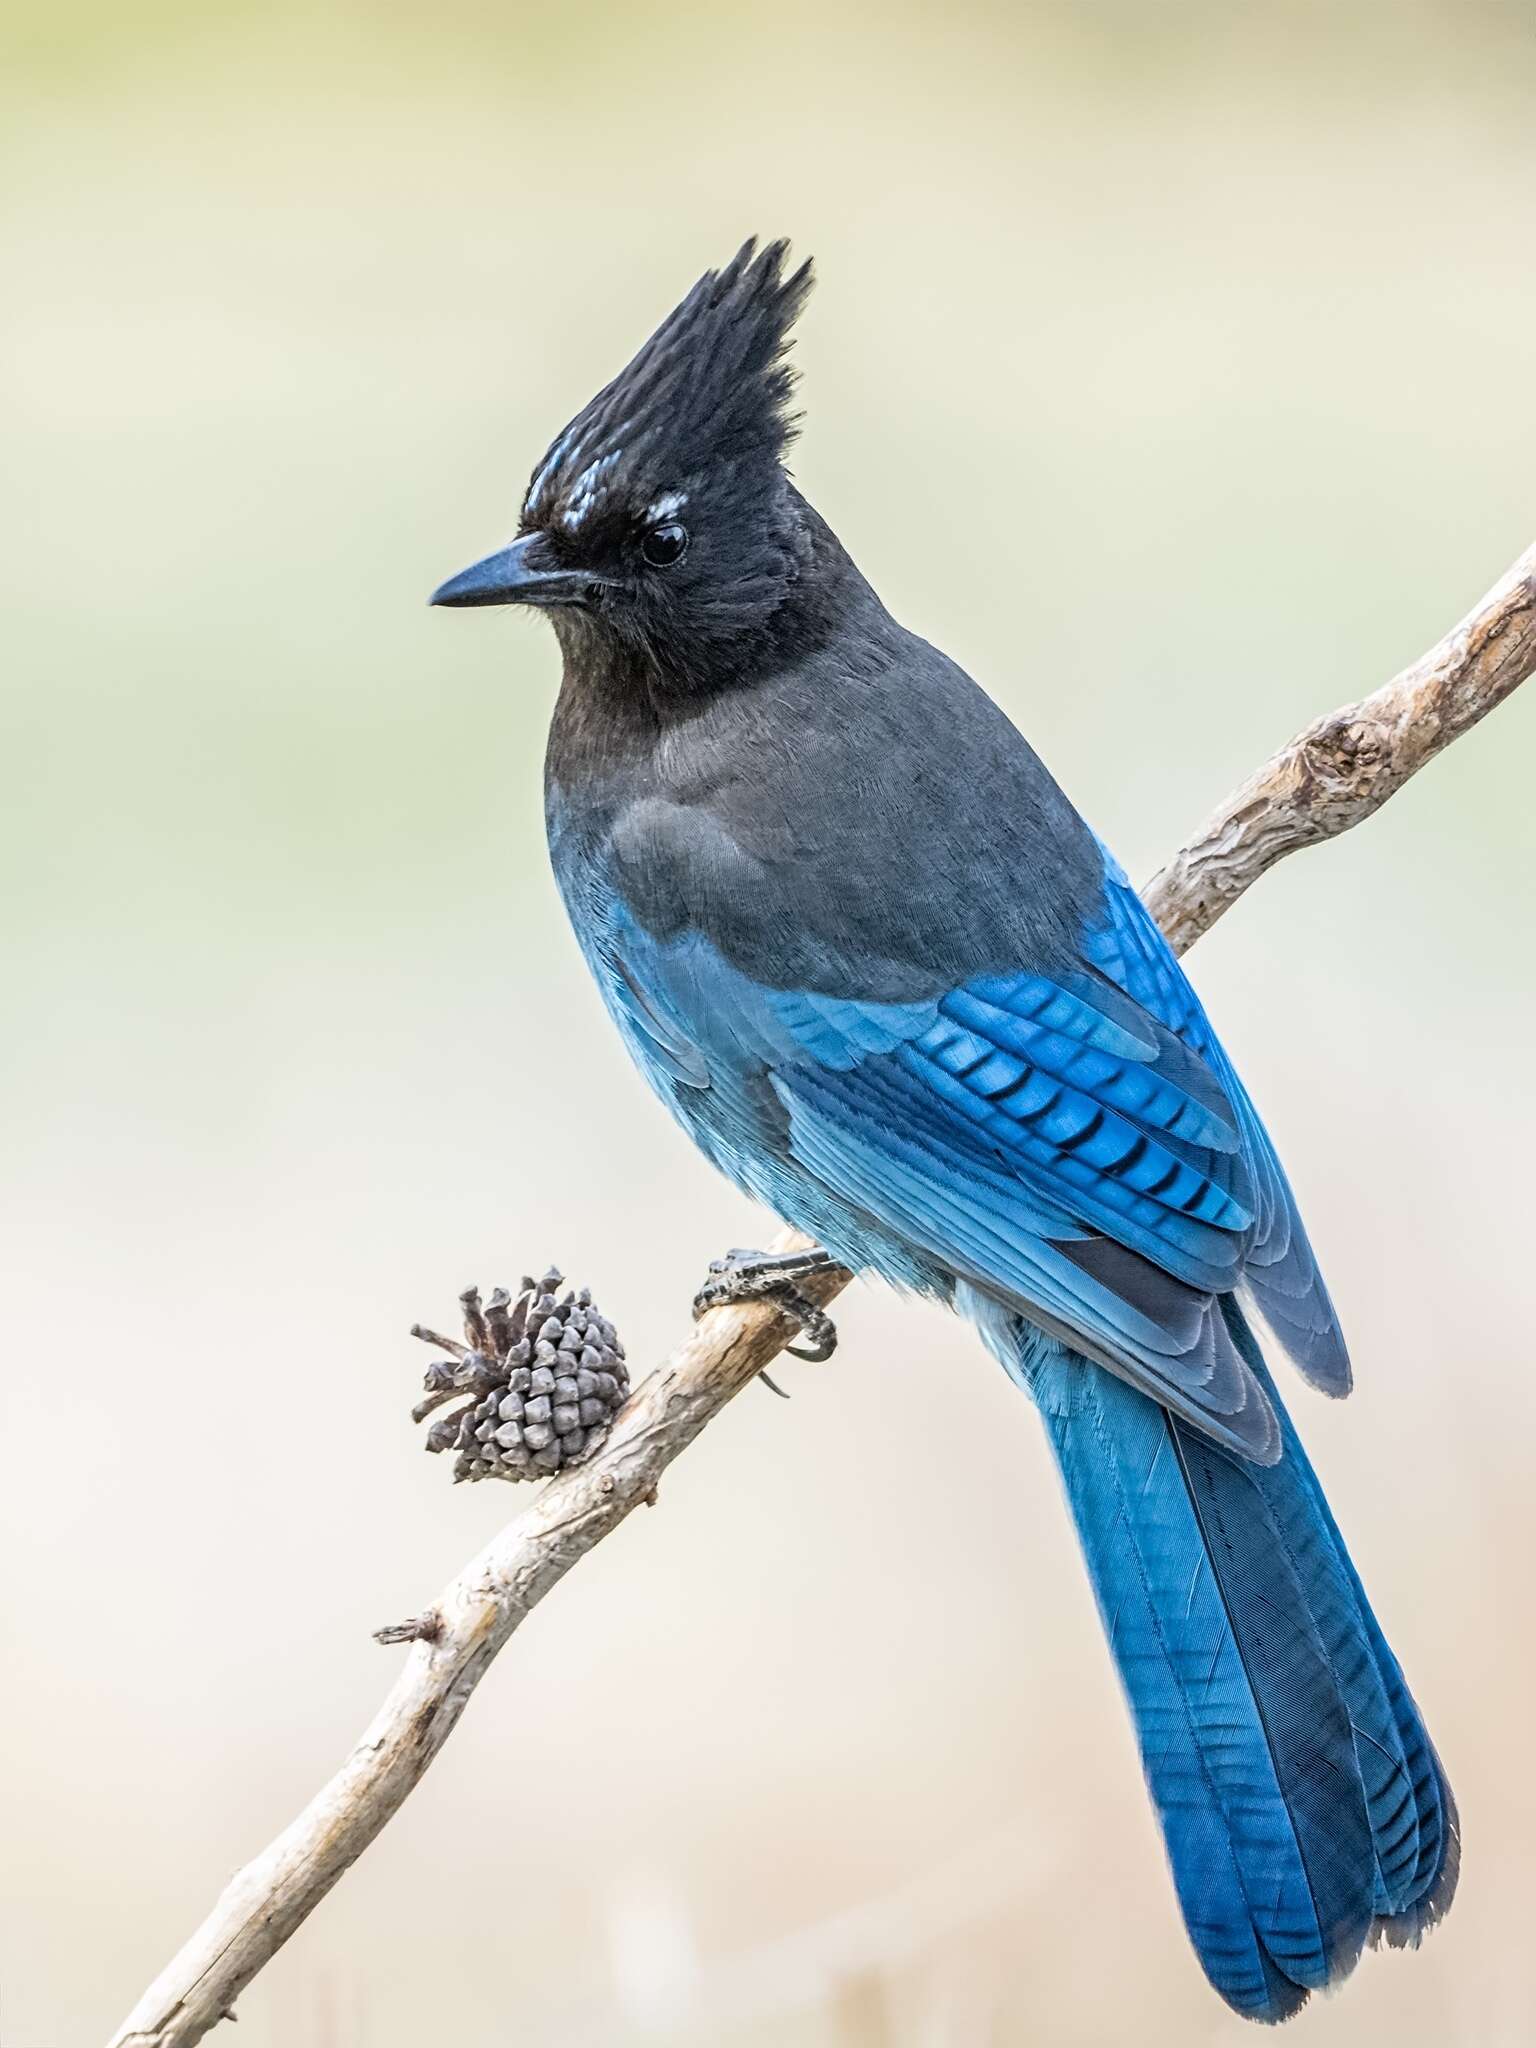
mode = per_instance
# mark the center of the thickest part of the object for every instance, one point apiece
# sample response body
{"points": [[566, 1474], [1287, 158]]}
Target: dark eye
{"points": [[664, 545]]}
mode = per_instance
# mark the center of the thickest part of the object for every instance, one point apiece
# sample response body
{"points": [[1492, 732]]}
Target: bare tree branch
{"points": [[1345, 766], [272, 1896], [1330, 777]]}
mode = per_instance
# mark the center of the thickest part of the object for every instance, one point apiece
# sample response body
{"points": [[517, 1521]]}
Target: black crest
{"points": [[711, 387]]}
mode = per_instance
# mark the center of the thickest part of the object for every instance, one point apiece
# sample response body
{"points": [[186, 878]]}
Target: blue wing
{"points": [[1074, 1147], [1280, 1272]]}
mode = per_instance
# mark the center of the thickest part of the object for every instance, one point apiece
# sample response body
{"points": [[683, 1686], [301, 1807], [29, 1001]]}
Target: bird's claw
{"points": [[744, 1275]]}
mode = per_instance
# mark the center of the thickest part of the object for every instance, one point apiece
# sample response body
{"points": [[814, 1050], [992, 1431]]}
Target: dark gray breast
{"points": [[864, 822]]}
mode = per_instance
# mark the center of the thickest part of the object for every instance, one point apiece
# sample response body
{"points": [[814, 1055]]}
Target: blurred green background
{"points": [[1172, 367]]}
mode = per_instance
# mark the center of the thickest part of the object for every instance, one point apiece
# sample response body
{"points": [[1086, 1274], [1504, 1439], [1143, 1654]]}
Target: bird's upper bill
{"points": [[524, 573]]}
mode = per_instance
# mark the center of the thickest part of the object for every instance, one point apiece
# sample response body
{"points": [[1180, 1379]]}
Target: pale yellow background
{"points": [[1172, 366]]}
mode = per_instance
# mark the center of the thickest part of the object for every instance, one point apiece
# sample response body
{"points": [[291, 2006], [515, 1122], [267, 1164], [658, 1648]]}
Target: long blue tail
{"points": [[1304, 1809]]}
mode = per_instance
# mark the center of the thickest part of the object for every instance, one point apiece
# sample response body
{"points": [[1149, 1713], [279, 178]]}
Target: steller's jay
{"points": [[893, 986]]}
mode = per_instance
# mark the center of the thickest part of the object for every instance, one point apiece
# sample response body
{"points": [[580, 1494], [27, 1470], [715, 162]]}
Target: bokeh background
{"points": [[1172, 366]]}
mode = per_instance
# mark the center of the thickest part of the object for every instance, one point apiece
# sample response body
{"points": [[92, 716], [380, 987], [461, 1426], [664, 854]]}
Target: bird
{"points": [[897, 990]]}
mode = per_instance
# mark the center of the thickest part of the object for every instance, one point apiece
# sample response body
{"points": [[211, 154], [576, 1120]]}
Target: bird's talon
{"points": [[819, 1330], [744, 1275]]}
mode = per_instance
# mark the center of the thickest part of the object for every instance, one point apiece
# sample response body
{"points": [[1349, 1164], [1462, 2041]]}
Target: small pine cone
{"points": [[545, 1376]]}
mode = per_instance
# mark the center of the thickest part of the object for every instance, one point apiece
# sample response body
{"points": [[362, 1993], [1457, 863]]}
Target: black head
{"points": [[662, 520]]}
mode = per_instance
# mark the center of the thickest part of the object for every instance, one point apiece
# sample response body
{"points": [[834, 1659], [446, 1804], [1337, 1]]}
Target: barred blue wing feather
{"points": [[1053, 1149], [1280, 1273]]}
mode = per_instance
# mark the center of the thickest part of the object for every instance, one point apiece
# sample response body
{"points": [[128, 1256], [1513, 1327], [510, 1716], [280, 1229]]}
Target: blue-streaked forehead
{"points": [[578, 474], [586, 477], [542, 488]]}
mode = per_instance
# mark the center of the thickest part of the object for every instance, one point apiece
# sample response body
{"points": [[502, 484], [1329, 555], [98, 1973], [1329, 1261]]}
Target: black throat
{"points": [[621, 693]]}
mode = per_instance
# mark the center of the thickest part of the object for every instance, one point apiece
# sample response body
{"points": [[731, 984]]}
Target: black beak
{"points": [[521, 574]]}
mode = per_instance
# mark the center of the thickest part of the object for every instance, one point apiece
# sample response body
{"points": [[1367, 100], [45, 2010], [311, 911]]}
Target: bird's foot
{"points": [[744, 1275]]}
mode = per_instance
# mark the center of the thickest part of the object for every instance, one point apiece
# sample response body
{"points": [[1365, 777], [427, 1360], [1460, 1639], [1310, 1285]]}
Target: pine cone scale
{"points": [[545, 1378]]}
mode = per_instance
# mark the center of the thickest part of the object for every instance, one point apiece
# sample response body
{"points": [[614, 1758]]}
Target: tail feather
{"points": [[1415, 1893], [1303, 1807], [1413, 1818]]}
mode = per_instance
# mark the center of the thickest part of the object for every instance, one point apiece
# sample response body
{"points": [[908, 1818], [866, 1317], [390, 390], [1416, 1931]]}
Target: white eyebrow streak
{"points": [[666, 505], [586, 487]]}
